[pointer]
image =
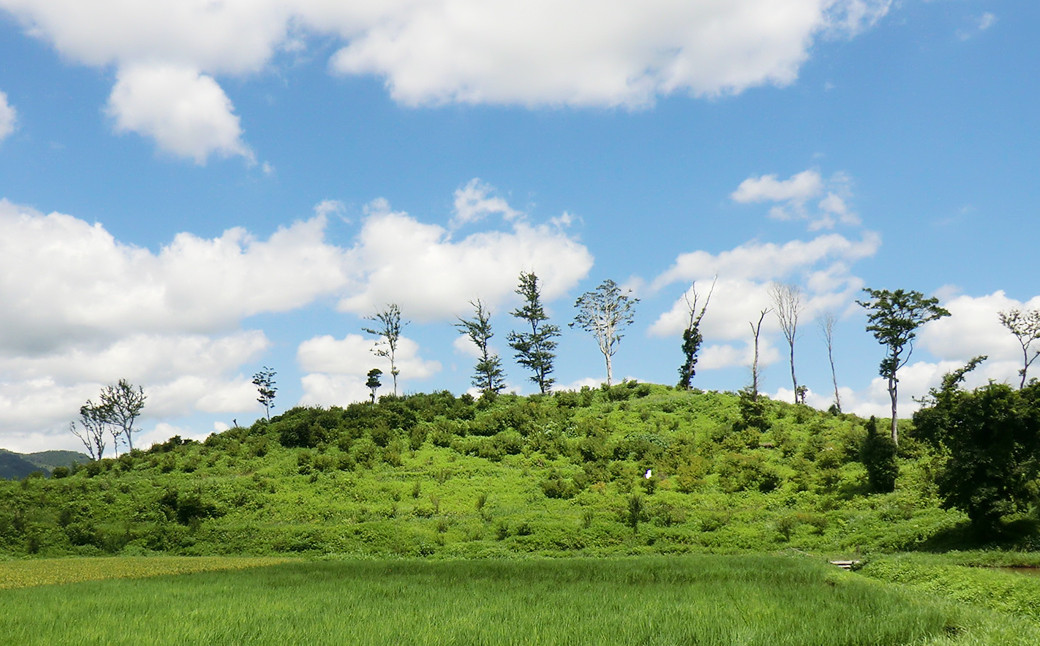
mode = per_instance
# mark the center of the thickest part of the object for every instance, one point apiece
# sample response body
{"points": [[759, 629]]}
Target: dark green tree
{"points": [[389, 333], [605, 312], [894, 318], [990, 438], [878, 455], [266, 389], [488, 375], [373, 382], [536, 348], [122, 405], [692, 338]]}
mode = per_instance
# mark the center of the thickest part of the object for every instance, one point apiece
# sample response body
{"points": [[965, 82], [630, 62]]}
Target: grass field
{"points": [[767, 600]]}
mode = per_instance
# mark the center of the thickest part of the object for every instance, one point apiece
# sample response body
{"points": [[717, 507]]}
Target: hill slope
{"points": [[631, 469]]}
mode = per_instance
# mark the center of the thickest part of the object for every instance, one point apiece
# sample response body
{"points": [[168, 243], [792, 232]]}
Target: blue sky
{"points": [[190, 191]]}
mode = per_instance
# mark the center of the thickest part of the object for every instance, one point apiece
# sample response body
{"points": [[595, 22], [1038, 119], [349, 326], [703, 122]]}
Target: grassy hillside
{"points": [[439, 475]]}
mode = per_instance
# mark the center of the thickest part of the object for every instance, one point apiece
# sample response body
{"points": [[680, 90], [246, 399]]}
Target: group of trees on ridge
{"points": [[894, 316], [991, 425]]}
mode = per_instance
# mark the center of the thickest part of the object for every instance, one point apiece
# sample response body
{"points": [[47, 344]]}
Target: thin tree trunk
{"points": [[794, 380], [610, 371], [893, 393]]}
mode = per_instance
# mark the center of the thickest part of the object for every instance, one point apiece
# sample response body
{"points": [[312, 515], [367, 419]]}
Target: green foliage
{"points": [[990, 439], [401, 477], [535, 349], [894, 317], [878, 455], [488, 375], [265, 388]]}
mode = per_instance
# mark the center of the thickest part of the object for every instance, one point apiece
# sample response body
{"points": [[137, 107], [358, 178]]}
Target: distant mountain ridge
{"points": [[14, 466]]}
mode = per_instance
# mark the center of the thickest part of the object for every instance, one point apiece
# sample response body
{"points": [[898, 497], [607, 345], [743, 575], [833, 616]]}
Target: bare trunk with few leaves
{"points": [[827, 325], [692, 338], [756, 329], [1026, 328], [788, 301]]}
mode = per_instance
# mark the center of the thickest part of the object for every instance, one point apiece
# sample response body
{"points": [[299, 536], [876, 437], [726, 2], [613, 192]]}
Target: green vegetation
{"points": [[415, 511], [759, 600], [439, 475]]}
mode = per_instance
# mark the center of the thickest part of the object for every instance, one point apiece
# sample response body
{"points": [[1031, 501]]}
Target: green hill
{"points": [[631, 469], [14, 466]]}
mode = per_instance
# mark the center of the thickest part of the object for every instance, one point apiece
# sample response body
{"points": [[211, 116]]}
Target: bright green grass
{"points": [[708, 600]]}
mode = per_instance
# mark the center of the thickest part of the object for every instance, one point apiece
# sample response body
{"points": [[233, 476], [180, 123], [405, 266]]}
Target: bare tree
{"points": [[827, 325], [692, 338], [389, 333], [604, 312], [92, 418], [1026, 328], [756, 329], [122, 405], [788, 301]]}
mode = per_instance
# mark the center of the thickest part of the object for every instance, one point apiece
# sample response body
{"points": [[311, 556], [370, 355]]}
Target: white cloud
{"points": [[475, 201], [767, 188], [234, 36], [979, 25], [83, 309], [185, 112], [8, 117], [398, 259], [973, 328], [528, 52], [791, 197], [64, 280], [337, 368], [180, 374], [769, 261], [607, 52], [821, 266]]}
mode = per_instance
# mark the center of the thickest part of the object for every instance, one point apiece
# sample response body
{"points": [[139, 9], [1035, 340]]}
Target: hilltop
{"points": [[636, 468]]}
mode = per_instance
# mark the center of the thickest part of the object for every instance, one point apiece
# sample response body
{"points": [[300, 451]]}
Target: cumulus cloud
{"points": [[337, 368], [8, 117], [185, 112], [476, 200], [791, 198], [820, 266], [524, 52], [432, 276], [973, 328], [770, 261], [592, 53], [65, 280], [182, 373]]}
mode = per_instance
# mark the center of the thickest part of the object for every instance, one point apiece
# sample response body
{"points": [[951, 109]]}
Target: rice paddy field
{"points": [[703, 599]]}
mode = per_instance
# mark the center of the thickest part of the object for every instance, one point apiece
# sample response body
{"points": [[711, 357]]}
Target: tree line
{"points": [[894, 317]]}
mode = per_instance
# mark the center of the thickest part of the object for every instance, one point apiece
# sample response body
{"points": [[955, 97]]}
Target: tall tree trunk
{"points": [[893, 393], [610, 371], [794, 380]]}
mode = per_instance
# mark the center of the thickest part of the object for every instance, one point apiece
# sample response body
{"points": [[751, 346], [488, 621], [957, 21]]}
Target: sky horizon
{"points": [[190, 192]]}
